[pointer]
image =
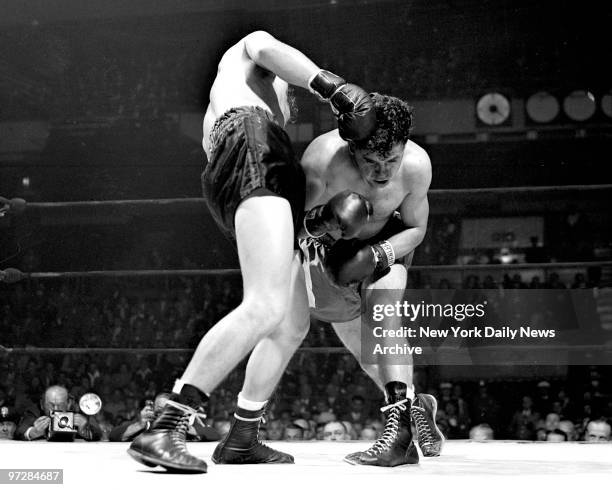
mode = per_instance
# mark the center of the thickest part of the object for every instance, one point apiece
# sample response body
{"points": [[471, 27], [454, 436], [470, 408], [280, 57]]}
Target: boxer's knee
{"points": [[265, 313], [295, 330]]}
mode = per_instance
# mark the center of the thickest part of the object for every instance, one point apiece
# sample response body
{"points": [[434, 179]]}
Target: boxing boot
{"points": [[395, 446], [429, 436], [164, 443], [241, 445]]}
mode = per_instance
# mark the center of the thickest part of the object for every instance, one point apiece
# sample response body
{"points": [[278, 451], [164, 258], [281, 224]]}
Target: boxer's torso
{"points": [[240, 82], [338, 170]]}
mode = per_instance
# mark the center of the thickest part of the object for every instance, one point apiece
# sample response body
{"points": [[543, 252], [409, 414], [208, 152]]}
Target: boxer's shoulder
{"points": [[324, 153], [415, 157], [416, 165]]}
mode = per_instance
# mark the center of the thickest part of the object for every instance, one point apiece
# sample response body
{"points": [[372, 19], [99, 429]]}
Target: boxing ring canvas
{"points": [[463, 464]]}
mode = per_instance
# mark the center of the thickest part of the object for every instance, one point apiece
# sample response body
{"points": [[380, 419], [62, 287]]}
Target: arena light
{"points": [[493, 109], [542, 107], [579, 105]]}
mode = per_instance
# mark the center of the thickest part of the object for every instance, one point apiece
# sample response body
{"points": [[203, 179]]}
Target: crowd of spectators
{"points": [[325, 397], [143, 88], [112, 86], [78, 78], [170, 314]]}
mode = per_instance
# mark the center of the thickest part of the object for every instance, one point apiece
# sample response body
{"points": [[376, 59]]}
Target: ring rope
{"points": [[18, 205], [12, 275], [312, 350]]}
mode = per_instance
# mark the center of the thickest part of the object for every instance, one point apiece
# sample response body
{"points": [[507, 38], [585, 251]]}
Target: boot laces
{"points": [[423, 430], [260, 445], [257, 439], [389, 435], [188, 418]]}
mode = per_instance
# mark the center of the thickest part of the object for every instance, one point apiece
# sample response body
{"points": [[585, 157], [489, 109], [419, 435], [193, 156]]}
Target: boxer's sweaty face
{"points": [[377, 169]]}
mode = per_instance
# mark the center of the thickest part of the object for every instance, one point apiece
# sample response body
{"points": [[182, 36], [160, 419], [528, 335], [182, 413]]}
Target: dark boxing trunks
{"points": [[251, 155], [328, 301]]}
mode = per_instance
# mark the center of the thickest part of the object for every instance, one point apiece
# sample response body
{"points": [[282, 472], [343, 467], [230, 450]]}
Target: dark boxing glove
{"points": [[368, 261], [351, 104], [346, 212]]}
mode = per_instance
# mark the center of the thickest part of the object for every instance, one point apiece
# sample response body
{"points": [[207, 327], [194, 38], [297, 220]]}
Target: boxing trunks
{"points": [[251, 155], [328, 301]]}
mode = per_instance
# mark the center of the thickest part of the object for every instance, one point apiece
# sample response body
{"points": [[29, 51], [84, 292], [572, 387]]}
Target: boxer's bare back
{"points": [[242, 82]]}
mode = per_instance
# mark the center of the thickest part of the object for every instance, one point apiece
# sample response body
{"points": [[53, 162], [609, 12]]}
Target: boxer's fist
{"points": [[352, 105], [356, 114], [352, 263], [347, 212], [357, 268]]}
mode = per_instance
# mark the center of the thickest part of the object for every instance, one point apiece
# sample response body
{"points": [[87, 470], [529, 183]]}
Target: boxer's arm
{"points": [[315, 179], [415, 213], [314, 168], [284, 61], [351, 104]]}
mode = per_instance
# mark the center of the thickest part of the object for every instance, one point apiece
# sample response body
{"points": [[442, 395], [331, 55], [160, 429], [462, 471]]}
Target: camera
{"points": [[61, 427]]}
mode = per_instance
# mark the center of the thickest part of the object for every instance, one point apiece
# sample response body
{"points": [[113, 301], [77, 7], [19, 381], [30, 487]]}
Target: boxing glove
{"points": [[349, 265], [352, 105], [347, 212]]}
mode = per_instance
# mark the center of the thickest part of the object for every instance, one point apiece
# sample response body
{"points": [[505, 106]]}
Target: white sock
{"points": [[249, 404], [178, 386], [410, 393]]}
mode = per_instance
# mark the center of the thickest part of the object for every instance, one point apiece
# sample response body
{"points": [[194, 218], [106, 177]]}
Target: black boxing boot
{"points": [[163, 443], [241, 445], [395, 446], [429, 436]]}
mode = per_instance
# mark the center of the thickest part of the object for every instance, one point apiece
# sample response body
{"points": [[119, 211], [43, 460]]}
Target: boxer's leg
{"points": [[423, 407], [264, 235], [264, 369], [395, 446], [272, 354], [388, 289], [396, 381]]}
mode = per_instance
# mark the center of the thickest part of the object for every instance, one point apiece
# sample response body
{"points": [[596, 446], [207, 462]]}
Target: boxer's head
{"points": [[380, 156]]}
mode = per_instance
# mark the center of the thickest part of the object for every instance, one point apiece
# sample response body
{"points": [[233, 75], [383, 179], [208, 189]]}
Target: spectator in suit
{"points": [[35, 420]]}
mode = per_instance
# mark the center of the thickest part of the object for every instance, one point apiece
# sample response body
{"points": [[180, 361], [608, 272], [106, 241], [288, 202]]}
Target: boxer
{"points": [[393, 174], [255, 190]]}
